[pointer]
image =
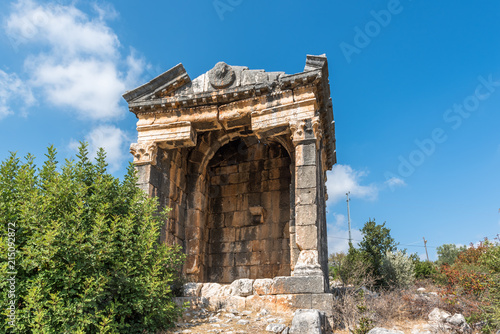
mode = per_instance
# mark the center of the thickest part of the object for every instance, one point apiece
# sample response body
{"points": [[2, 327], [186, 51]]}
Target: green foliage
{"points": [[475, 275], [397, 270], [377, 241], [447, 253], [491, 260], [335, 264], [424, 269], [87, 253]]}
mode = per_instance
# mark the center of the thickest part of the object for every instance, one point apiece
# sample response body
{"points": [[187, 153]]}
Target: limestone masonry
{"points": [[241, 158]]}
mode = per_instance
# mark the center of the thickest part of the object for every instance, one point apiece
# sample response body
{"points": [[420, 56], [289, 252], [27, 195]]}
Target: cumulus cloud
{"points": [[338, 235], [13, 91], [342, 179], [112, 139], [395, 182], [78, 65]]}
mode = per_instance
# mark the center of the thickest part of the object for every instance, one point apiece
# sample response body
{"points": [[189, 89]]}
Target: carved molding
{"points": [[144, 153]]}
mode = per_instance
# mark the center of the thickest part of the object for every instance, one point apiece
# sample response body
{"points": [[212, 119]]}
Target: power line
{"points": [[398, 245]]}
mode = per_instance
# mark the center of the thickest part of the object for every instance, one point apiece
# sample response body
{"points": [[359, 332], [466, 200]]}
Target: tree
{"points": [[398, 269], [447, 253], [377, 241], [86, 249]]}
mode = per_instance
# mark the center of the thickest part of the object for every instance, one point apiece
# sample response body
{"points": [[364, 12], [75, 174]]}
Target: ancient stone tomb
{"points": [[240, 156]]}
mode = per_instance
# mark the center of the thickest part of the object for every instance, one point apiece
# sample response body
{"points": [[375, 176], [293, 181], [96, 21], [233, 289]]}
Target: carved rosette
{"points": [[144, 153], [221, 76]]}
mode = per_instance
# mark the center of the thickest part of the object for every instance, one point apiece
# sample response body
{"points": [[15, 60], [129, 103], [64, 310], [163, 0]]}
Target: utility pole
{"points": [[425, 245], [349, 219]]}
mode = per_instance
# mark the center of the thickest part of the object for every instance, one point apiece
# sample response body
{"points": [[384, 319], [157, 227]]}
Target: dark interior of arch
{"points": [[248, 212]]}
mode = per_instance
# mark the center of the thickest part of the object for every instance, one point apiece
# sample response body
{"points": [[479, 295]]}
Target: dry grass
{"points": [[398, 309]]}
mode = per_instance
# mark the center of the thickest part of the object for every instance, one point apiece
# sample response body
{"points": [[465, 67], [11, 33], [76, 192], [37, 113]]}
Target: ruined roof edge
{"points": [[166, 77]]}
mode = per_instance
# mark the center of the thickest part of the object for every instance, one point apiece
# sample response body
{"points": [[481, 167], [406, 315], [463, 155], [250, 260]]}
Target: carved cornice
{"points": [[144, 153]]}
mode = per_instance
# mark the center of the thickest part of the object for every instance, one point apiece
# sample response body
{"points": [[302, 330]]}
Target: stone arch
{"points": [[200, 228]]}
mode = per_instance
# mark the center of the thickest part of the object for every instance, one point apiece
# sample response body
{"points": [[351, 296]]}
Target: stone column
{"points": [[305, 137], [144, 159]]}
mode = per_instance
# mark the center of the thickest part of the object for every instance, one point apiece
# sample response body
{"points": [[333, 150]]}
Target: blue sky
{"points": [[415, 87]]}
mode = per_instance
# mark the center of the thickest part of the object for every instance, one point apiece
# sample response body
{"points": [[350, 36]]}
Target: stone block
{"points": [[193, 232], [193, 246], [261, 245], [221, 260], [192, 264], [307, 321], [241, 218], [306, 155], [221, 247], [291, 302], [192, 289], [258, 302], [242, 287], [306, 214], [242, 246], [238, 178], [322, 302], [255, 258], [305, 177], [211, 290], [192, 302], [262, 286], [305, 196], [236, 302], [297, 285], [226, 234], [229, 204], [242, 259], [247, 233], [217, 220], [306, 237]]}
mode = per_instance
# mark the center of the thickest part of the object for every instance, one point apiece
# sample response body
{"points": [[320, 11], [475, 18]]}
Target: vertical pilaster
{"points": [[305, 138]]}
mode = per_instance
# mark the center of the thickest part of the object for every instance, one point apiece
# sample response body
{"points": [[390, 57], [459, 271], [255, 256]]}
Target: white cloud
{"points": [[66, 29], [92, 88], [114, 141], [78, 65], [342, 179], [13, 91], [338, 235], [395, 182]]}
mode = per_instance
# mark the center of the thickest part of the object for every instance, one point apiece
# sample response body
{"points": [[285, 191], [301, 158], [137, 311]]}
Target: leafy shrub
{"points": [[423, 269], [397, 269], [87, 253], [376, 242], [447, 253]]}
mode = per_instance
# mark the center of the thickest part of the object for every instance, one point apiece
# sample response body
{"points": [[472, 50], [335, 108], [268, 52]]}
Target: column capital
{"points": [[306, 130], [144, 153]]}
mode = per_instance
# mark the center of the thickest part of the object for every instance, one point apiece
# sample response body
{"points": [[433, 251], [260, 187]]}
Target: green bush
{"points": [[377, 241], [87, 255], [397, 269], [423, 269], [447, 253]]}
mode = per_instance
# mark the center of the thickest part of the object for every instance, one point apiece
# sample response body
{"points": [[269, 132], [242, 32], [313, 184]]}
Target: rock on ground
{"points": [[306, 322]]}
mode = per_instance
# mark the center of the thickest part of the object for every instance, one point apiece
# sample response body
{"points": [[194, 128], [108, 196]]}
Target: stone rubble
{"points": [[226, 320]]}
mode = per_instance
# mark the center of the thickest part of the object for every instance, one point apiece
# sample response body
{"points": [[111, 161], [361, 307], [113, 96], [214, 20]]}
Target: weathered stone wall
{"points": [[249, 212], [166, 180]]}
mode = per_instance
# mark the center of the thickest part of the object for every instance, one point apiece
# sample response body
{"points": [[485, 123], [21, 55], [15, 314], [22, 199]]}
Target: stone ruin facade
{"points": [[240, 156]]}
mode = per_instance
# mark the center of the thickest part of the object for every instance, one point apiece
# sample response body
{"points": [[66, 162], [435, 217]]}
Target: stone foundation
{"points": [[282, 294]]}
